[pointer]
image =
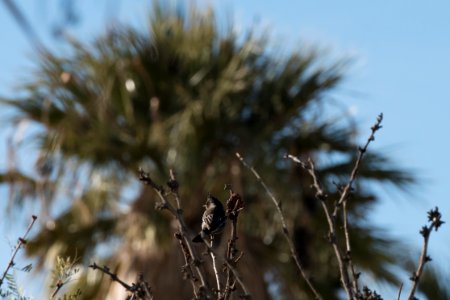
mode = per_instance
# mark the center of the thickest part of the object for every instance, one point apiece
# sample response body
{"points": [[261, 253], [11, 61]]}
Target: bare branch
{"points": [[345, 261], [400, 291], [234, 205], [141, 289], [113, 276], [361, 151], [331, 219], [283, 223], [216, 273], [178, 214], [236, 274], [187, 268], [344, 196], [434, 217], [173, 185], [21, 241]]}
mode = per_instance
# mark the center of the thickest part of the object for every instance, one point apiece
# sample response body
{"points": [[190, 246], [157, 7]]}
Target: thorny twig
{"points": [[285, 228], [21, 241], [139, 290], [434, 217], [178, 214]]}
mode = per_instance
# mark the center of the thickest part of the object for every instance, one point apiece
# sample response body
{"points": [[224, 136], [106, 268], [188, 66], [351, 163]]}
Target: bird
{"points": [[213, 220]]}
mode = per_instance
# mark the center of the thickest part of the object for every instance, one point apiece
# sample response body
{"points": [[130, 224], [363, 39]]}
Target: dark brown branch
{"points": [[434, 217], [113, 276], [58, 287], [141, 289], [236, 275], [343, 200], [173, 185], [230, 256], [178, 214], [345, 262], [348, 251], [331, 219], [234, 206], [400, 291], [21, 241], [187, 268], [361, 151], [285, 230]]}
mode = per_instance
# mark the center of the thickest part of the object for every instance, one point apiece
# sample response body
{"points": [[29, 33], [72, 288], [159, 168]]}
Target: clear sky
{"points": [[401, 52]]}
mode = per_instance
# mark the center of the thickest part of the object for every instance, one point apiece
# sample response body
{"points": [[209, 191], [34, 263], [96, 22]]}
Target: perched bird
{"points": [[213, 220]]}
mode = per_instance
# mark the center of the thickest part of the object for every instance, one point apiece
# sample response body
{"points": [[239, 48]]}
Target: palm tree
{"points": [[187, 94]]}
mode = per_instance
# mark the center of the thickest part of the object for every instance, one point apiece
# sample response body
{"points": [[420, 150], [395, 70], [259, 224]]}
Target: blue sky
{"points": [[401, 68]]}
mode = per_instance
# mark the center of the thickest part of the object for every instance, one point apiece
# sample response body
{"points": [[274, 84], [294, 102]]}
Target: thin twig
{"points": [[187, 268], [400, 291], [178, 214], [343, 200], [361, 151], [216, 273], [58, 287], [285, 228], [331, 219], [348, 252], [173, 185], [235, 272], [113, 276], [21, 241], [434, 217], [234, 205], [345, 262], [231, 250], [140, 289]]}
